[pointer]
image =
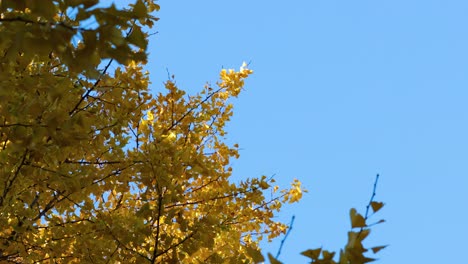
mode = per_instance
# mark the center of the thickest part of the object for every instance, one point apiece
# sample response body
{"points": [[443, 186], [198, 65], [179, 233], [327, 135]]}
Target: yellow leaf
{"points": [[254, 254], [138, 38], [89, 3], [377, 249], [144, 210], [139, 9], [273, 260], [45, 8], [376, 206], [328, 255], [357, 220], [149, 116], [314, 254]]}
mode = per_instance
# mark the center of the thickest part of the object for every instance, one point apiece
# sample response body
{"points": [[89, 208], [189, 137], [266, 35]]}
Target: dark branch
{"points": [[366, 216], [372, 197], [285, 237]]}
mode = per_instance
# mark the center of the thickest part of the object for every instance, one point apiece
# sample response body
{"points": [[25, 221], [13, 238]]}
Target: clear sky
{"points": [[342, 90]]}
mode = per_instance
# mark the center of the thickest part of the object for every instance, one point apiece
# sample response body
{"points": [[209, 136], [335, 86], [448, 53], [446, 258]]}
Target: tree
{"points": [[95, 169]]}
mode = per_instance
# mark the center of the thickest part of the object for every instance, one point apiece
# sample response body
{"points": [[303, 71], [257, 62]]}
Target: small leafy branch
{"points": [[354, 251]]}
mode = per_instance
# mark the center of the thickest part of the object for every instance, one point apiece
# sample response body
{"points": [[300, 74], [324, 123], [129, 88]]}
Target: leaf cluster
{"points": [[94, 168], [354, 252], [79, 32]]}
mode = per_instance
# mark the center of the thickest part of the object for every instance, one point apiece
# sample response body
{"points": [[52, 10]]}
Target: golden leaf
{"points": [[357, 220]]}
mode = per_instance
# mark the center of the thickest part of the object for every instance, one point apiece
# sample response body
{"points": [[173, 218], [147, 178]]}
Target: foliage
{"points": [[354, 251], [95, 169]]}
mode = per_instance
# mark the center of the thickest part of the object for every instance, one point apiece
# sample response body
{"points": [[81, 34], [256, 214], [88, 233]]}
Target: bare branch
{"points": [[285, 236]]}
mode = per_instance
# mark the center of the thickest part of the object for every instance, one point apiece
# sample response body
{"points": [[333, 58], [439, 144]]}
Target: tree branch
{"points": [[285, 237]]}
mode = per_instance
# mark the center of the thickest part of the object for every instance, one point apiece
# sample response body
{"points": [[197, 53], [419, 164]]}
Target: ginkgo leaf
{"points": [[138, 38], [255, 254], [273, 260], [143, 210], [357, 220], [44, 8], [89, 3], [377, 249], [140, 9], [367, 260], [314, 254], [150, 116], [328, 255], [376, 206]]}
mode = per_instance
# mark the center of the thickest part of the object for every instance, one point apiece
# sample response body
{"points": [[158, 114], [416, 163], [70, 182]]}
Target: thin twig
{"points": [[103, 73], [285, 236], [372, 197], [366, 216]]}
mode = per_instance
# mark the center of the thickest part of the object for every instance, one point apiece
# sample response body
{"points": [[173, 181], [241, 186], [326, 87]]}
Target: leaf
{"points": [[255, 254], [377, 249], [150, 116], [144, 210], [367, 260], [376, 206], [273, 260], [139, 9], [43, 8], [18, 5], [314, 254], [357, 220], [89, 3], [328, 255], [138, 38], [88, 164]]}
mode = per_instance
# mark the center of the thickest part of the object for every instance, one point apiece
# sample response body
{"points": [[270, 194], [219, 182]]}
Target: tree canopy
{"points": [[97, 168]]}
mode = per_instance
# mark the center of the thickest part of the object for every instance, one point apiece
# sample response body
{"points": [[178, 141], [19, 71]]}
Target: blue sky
{"points": [[342, 90]]}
